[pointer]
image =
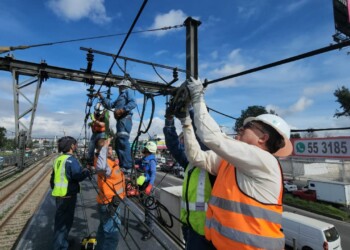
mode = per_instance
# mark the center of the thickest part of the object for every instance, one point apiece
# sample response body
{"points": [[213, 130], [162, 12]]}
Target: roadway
{"points": [[168, 180]]}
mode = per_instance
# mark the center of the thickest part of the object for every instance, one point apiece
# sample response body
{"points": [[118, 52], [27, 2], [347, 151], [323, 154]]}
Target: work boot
{"points": [[146, 236]]}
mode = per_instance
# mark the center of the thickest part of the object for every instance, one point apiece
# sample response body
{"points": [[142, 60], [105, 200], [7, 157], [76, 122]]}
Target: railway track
{"points": [[19, 200]]}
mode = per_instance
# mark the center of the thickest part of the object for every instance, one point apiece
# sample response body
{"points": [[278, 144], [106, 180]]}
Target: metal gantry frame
{"points": [[17, 91], [38, 73]]}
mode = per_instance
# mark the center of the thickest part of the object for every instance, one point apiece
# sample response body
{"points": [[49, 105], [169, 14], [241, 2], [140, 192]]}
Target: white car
{"points": [[289, 186]]}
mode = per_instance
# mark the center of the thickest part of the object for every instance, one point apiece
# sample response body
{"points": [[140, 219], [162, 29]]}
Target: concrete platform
{"points": [[39, 231]]}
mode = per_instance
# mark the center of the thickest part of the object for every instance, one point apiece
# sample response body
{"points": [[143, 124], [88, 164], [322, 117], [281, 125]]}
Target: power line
{"points": [[22, 47], [287, 60], [125, 39], [222, 113], [309, 130]]}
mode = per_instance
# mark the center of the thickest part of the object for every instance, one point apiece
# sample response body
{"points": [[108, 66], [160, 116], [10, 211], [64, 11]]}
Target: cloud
{"points": [[173, 17], [295, 5], [161, 52], [61, 112], [319, 89], [79, 9], [301, 104]]}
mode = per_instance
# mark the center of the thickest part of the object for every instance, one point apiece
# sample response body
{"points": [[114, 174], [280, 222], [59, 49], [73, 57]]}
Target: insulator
{"points": [[175, 73], [90, 57], [89, 103]]}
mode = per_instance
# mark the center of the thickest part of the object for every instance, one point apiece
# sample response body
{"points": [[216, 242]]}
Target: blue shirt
{"points": [[148, 164], [124, 101], [74, 175], [173, 144]]}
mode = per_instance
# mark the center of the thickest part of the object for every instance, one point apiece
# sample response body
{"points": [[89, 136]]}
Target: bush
{"points": [[316, 207]]}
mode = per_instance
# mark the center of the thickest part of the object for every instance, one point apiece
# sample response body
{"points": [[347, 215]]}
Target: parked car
{"points": [[289, 186], [309, 195], [179, 170], [304, 232]]}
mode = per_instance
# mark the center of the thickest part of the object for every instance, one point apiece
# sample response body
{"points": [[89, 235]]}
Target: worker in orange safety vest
{"points": [[245, 207], [111, 190]]}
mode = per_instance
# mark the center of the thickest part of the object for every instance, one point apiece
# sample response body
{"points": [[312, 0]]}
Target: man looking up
{"points": [[111, 190], [245, 207], [123, 107]]}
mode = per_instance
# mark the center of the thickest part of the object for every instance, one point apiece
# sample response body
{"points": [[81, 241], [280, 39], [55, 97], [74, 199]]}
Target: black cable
{"points": [[287, 60], [125, 39], [315, 129], [13, 48], [222, 113], [155, 70]]}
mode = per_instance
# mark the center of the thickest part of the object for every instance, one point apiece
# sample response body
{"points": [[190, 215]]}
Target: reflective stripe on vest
{"points": [[197, 188], [237, 221], [111, 185], [60, 179]]}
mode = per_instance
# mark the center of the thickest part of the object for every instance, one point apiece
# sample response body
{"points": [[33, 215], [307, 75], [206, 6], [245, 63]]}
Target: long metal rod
{"points": [[132, 59], [287, 60]]}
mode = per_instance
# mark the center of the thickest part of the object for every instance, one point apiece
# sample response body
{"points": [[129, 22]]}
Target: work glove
{"points": [[119, 113], [178, 105], [196, 89], [148, 189]]}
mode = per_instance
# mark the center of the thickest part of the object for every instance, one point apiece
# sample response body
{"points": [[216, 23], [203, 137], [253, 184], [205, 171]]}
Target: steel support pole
{"points": [[191, 47]]}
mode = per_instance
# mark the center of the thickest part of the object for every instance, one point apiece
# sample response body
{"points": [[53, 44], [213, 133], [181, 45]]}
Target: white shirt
{"points": [[258, 172]]}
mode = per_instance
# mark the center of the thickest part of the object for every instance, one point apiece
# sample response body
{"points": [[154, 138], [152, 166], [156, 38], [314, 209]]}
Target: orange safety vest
{"points": [[96, 128], [112, 185], [237, 221]]}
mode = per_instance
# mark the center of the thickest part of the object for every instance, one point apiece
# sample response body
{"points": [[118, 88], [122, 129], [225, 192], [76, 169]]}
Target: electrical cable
{"points": [[22, 47], [125, 39], [222, 113], [287, 60]]}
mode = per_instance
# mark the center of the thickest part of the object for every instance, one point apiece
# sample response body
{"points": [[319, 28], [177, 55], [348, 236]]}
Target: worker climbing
{"points": [[123, 107], [99, 120]]}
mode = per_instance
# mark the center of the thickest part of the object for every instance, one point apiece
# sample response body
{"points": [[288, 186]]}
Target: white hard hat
{"points": [[151, 147], [99, 108], [280, 126], [125, 82]]}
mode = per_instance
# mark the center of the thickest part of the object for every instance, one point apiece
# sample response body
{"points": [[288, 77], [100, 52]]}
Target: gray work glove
{"points": [[196, 89]]}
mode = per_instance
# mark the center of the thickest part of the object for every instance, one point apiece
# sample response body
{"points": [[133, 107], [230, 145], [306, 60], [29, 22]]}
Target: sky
{"points": [[234, 36]]}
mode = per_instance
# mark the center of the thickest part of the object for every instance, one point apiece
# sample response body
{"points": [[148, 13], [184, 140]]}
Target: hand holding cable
{"points": [[196, 90]]}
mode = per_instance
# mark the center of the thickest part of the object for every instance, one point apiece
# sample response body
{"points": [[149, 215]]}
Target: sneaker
{"points": [[146, 236]]}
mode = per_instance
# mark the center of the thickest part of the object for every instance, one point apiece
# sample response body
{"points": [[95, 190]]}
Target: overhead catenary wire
{"points": [[292, 130], [22, 47], [287, 60], [125, 39]]}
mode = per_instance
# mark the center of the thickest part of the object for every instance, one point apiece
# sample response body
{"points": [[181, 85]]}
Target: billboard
{"points": [[330, 147], [341, 16]]}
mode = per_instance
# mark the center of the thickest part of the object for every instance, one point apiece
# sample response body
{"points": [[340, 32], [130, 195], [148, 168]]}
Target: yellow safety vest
{"points": [[60, 179], [196, 191]]}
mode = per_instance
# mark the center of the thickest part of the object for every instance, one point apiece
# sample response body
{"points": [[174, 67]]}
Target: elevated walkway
{"points": [[39, 231]]}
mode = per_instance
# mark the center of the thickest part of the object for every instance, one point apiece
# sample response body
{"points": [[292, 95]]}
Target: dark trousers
{"points": [[193, 240], [122, 146], [63, 221]]}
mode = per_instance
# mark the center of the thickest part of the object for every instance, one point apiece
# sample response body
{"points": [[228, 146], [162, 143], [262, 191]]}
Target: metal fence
{"points": [[323, 169]]}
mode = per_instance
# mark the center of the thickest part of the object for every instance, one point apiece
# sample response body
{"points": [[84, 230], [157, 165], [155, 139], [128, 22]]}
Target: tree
{"points": [[3, 138], [343, 97], [250, 111]]}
